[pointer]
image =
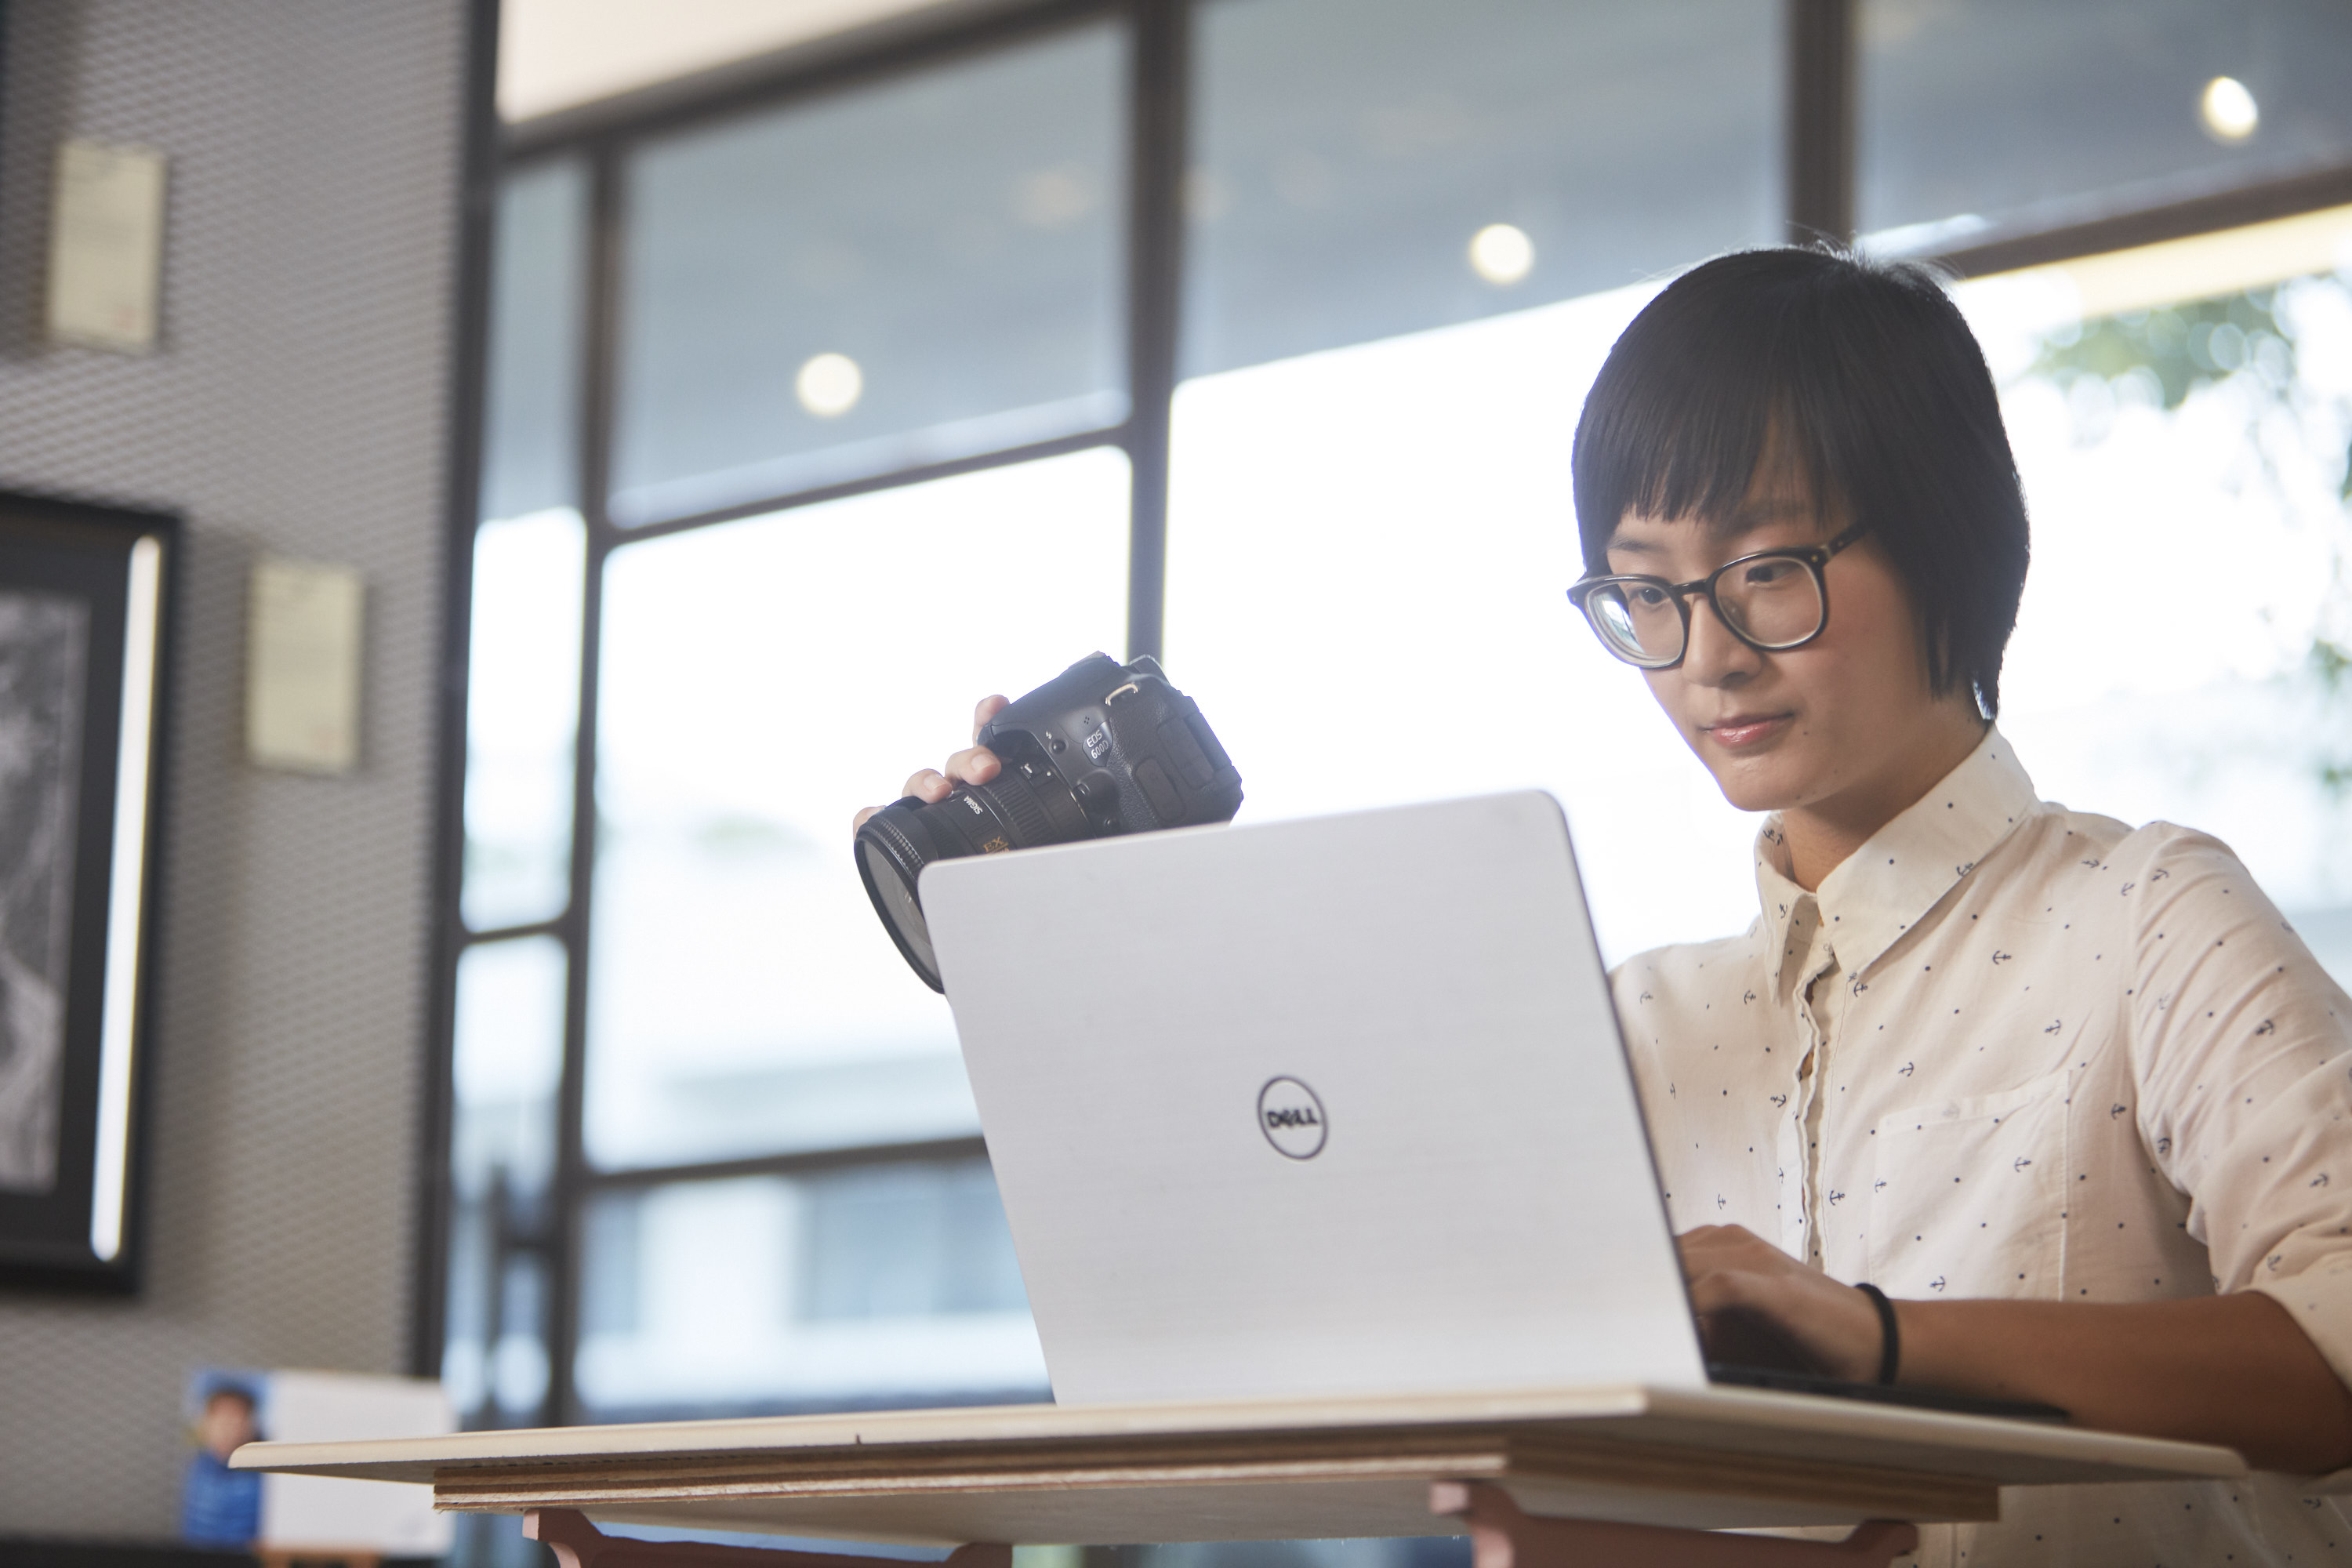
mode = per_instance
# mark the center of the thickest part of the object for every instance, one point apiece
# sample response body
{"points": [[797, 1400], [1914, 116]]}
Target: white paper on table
{"points": [[320, 1511], [106, 246]]}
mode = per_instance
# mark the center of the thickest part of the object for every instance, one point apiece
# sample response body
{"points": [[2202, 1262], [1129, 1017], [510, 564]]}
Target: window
{"points": [[1370, 470], [739, 1004], [509, 1012], [711, 1147], [2181, 414], [1992, 115], [814, 410], [1363, 169], [869, 280]]}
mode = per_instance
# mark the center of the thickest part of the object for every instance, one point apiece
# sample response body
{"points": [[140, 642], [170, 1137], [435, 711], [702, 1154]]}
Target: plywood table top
{"points": [[1712, 1457]]}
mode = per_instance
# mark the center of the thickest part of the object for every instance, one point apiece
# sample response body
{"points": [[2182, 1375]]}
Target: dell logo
{"points": [[1291, 1118]]}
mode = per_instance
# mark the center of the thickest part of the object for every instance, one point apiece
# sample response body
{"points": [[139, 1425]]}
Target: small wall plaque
{"points": [[106, 246], [302, 667]]}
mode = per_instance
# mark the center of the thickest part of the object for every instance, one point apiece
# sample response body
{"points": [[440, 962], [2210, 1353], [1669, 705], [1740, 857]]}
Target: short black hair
{"points": [[1865, 370]]}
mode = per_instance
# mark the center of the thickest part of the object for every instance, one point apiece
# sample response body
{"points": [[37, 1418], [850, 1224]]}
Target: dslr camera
{"points": [[1102, 748]]}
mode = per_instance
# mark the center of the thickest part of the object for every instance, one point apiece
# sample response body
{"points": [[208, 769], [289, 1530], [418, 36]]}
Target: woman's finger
{"points": [[990, 707], [928, 784], [1724, 1291], [974, 764]]}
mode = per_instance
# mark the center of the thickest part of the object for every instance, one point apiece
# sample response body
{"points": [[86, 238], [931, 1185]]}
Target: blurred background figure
{"points": [[218, 1506]]}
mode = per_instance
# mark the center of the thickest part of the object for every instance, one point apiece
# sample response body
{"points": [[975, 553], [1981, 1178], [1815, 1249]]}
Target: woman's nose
{"points": [[1712, 656]]}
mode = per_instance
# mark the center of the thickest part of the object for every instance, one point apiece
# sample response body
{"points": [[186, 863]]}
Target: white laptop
{"points": [[1331, 1105]]}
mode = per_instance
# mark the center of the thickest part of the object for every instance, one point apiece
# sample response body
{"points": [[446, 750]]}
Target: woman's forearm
{"points": [[2233, 1370]]}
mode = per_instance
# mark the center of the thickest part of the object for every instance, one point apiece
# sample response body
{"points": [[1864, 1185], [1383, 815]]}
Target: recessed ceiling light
{"points": [[829, 384], [2228, 109], [1054, 198], [1502, 254]]}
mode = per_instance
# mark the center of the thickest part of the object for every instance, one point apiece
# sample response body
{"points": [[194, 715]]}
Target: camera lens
{"points": [[1026, 805], [893, 892]]}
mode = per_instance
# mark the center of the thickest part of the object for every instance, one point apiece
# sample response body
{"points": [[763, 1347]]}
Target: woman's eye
{"points": [[1765, 573], [1648, 598]]}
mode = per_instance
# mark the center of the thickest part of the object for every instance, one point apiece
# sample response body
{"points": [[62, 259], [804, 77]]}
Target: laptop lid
{"points": [[1329, 1105]]}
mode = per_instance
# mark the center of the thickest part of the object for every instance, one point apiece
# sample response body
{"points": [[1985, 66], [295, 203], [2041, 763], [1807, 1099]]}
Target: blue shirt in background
{"points": [[218, 1506]]}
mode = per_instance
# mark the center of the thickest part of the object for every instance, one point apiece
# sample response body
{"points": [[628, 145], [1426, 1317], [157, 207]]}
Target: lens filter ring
{"points": [[888, 862], [901, 848]]}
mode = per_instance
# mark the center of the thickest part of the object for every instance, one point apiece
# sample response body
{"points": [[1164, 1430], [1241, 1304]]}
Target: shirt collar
{"points": [[1903, 871], [1783, 903]]}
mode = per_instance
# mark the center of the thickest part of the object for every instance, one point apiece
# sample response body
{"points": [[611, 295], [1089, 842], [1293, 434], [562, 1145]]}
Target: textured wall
{"points": [[297, 405]]}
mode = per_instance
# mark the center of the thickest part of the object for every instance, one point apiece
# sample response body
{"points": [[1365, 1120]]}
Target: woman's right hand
{"points": [[974, 764]]}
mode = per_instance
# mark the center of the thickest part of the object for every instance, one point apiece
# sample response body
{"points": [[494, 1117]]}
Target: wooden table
{"points": [[1691, 1459]]}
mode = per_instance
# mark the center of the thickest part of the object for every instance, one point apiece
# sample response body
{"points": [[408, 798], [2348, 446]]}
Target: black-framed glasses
{"points": [[1773, 601]]}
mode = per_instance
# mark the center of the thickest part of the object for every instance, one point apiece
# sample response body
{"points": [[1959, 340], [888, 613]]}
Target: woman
{"points": [[2070, 1097]]}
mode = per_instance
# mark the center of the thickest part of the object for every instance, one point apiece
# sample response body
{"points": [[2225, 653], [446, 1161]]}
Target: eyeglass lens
{"points": [[1773, 602]]}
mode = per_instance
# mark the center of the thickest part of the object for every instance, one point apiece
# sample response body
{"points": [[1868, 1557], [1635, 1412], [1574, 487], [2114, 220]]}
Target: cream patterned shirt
{"points": [[2012, 1050]]}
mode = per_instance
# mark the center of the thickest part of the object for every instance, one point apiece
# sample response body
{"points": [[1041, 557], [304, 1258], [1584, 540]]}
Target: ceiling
{"points": [[558, 54]]}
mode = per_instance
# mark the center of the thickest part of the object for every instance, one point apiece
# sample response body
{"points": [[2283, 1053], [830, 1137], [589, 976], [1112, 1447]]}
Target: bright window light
{"points": [[759, 685]]}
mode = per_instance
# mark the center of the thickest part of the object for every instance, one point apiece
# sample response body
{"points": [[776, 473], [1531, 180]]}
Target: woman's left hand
{"points": [[1739, 1280]]}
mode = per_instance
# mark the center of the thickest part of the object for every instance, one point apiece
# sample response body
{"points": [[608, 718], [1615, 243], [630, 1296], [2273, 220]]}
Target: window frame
{"points": [[1819, 65]]}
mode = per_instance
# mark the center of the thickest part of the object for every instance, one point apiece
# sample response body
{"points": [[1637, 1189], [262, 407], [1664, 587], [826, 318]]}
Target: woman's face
{"points": [[1839, 726]]}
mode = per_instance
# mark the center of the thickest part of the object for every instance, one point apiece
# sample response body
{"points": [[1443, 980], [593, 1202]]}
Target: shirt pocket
{"points": [[1968, 1196]]}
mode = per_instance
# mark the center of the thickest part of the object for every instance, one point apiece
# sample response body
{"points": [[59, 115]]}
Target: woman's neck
{"points": [[1821, 834]]}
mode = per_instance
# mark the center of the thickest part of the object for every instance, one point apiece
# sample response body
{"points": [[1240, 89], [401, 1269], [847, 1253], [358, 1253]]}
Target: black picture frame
{"points": [[86, 599]]}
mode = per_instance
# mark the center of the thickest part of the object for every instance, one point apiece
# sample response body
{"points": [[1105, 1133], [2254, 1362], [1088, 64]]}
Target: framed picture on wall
{"points": [[85, 600]]}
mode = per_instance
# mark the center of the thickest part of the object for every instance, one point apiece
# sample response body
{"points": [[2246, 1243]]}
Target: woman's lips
{"points": [[1747, 729]]}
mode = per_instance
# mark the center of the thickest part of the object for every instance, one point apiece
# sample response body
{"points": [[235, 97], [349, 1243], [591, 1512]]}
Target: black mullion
{"points": [[1158, 80], [921, 1151], [478, 224], [2232, 208], [1821, 119], [599, 326], [1003, 457], [552, 926]]}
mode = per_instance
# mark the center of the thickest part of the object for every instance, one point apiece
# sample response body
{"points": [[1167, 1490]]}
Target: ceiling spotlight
{"points": [[829, 384], [2228, 109], [1502, 254]]}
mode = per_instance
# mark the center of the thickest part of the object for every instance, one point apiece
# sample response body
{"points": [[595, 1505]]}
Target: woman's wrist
{"points": [[1960, 1346], [1890, 1335]]}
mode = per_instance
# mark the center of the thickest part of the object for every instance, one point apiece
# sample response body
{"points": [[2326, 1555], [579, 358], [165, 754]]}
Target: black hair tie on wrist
{"points": [[1890, 1354]]}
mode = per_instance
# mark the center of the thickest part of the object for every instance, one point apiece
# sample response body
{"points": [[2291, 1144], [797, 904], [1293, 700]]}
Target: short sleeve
{"points": [[2242, 1047]]}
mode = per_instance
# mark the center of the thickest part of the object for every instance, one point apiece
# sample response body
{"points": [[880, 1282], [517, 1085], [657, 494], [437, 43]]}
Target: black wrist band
{"points": [[1890, 1354]]}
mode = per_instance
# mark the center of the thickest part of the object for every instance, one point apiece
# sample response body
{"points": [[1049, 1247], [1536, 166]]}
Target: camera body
{"points": [[1101, 749], [1135, 752]]}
